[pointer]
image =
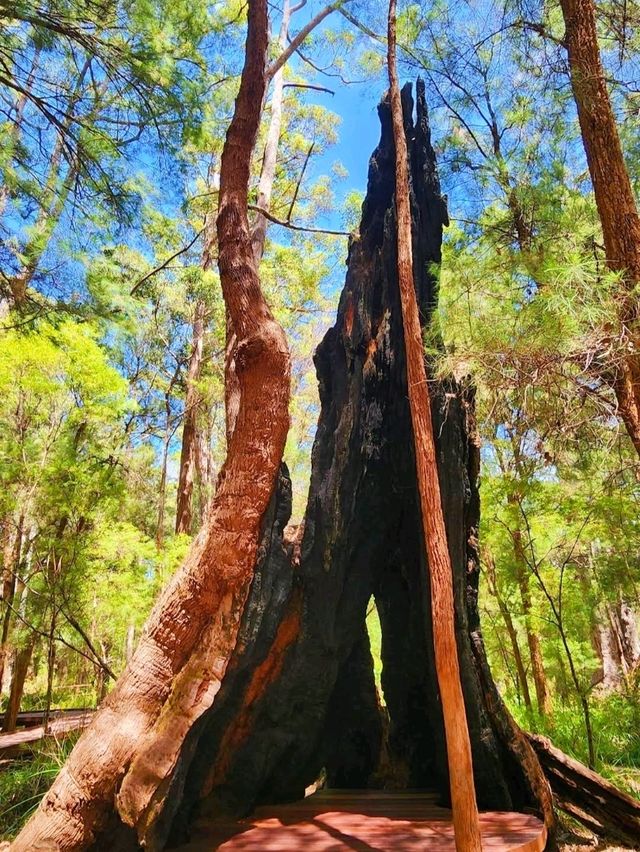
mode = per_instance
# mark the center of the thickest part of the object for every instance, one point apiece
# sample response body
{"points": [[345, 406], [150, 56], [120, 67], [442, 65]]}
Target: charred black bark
{"points": [[299, 694]]}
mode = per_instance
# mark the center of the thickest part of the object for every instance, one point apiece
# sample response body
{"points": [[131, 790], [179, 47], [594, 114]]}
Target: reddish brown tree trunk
{"points": [[533, 641], [463, 799], [131, 746], [614, 195]]}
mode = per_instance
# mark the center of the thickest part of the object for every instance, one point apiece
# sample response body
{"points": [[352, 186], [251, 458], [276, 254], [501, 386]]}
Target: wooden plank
{"points": [[333, 820], [29, 718], [56, 727]]}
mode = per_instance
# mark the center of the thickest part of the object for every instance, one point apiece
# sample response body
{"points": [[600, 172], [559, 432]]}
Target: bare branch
{"points": [[166, 262], [293, 227], [295, 43]]}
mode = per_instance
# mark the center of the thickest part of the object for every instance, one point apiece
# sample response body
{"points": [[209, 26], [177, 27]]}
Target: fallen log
{"points": [[587, 796]]}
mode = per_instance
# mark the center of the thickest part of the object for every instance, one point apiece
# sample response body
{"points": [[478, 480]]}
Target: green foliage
{"points": [[114, 124], [25, 781]]}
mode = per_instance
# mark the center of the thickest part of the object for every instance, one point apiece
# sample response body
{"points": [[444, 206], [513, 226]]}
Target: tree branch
{"points": [[293, 227], [308, 86], [166, 262], [295, 43]]}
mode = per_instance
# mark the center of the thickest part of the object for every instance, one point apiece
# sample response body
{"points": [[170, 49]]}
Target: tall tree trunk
{"points": [[12, 555], [195, 454], [268, 172], [463, 798], [492, 583], [18, 678], [162, 490], [259, 227], [614, 196], [523, 580], [129, 643], [190, 425], [169, 432], [131, 746], [533, 640]]}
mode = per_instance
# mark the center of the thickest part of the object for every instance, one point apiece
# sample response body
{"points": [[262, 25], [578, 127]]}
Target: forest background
{"points": [[112, 341]]}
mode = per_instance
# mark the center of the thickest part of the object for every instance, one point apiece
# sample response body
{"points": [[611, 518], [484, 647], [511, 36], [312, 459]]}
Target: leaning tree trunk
{"points": [[299, 693], [177, 668], [613, 192], [588, 797]]}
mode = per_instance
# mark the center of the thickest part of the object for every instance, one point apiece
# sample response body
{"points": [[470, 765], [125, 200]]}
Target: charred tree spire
{"points": [[299, 694]]}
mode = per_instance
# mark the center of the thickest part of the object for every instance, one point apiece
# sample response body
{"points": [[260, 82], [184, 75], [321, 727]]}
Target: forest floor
{"points": [[575, 838]]}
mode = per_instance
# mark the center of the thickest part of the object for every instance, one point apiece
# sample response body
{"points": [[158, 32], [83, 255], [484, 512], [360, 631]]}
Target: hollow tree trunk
{"points": [[614, 195], [301, 663], [176, 670]]}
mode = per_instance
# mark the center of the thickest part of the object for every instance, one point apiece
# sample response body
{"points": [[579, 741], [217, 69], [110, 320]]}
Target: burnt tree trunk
{"points": [[299, 693]]}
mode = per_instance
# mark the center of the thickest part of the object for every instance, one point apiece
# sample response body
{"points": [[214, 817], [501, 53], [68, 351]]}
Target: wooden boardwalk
{"points": [[60, 723], [334, 820]]}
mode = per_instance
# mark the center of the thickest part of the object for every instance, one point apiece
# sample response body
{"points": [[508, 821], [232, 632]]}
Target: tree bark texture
{"points": [[18, 677], [440, 575], [614, 195], [299, 693], [268, 171], [175, 673]]}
